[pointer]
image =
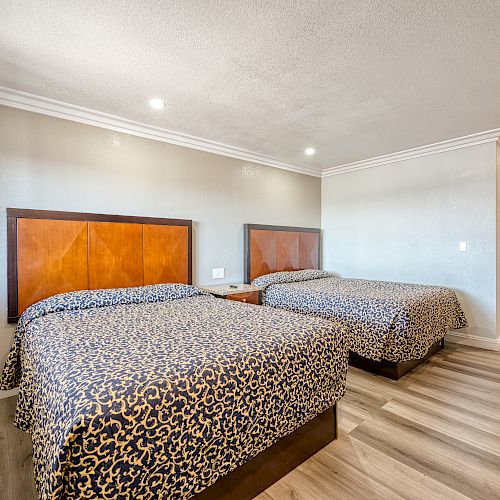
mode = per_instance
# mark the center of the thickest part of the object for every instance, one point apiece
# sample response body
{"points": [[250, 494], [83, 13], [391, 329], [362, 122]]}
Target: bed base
{"points": [[247, 481], [392, 369]]}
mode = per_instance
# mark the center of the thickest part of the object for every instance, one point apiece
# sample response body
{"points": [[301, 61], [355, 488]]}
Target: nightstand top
{"points": [[223, 290]]}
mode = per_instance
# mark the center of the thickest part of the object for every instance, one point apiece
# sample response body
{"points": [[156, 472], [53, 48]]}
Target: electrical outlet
{"points": [[218, 273], [462, 247]]}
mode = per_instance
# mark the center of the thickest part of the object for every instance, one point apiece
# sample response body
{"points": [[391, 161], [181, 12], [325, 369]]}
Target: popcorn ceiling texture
{"points": [[353, 79]]}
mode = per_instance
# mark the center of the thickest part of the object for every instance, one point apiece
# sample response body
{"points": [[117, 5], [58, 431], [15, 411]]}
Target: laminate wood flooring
{"points": [[434, 434]]}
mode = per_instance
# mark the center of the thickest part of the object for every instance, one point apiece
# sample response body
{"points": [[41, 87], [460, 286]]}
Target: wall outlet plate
{"points": [[218, 273], [462, 246]]}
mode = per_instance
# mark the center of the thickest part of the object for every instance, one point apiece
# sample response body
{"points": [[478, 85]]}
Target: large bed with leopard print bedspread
{"points": [[388, 321], [158, 391]]}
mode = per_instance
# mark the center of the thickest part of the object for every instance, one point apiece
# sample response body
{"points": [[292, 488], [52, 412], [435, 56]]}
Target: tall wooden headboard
{"points": [[270, 249], [52, 252]]}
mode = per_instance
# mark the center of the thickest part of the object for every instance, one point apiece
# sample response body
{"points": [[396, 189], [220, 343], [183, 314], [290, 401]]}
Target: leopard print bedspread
{"points": [[385, 320], [156, 392]]}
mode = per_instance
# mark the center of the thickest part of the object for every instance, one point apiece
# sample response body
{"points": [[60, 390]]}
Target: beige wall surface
{"points": [[53, 164], [399, 222], [404, 221]]}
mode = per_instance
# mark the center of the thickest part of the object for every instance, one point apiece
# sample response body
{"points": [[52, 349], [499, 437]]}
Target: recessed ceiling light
{"points": [[309, 151], [157, 103]]}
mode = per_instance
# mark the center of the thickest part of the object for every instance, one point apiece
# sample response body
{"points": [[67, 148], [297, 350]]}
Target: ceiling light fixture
{"points": [[310, 151], [156, 103]]}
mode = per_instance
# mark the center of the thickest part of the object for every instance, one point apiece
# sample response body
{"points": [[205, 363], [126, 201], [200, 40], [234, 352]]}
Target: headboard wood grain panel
{"points": [[287, 250], [262, 252], [115, 255], [52, 252], [309, 250], [270, 249], [61, 258], [166, 254]]}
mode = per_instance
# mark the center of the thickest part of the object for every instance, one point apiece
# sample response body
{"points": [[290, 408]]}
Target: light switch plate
{"points": [[462, 247], [218, 273]]}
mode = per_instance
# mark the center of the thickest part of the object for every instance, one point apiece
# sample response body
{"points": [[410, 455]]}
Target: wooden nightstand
{"points": [[242, 293]]}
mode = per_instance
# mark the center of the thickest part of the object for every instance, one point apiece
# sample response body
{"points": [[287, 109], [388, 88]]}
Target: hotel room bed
{"points": [[386, 321], [392, 327], [159, 391]]}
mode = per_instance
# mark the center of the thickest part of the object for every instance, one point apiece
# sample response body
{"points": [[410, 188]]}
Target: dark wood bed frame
{"points": [[51, 252], [252, 478], [269, 249], [391, 369]]}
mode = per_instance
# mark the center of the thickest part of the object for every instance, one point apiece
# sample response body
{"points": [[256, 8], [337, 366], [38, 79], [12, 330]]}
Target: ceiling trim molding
{"points": [[409, 154], [51, 107]]}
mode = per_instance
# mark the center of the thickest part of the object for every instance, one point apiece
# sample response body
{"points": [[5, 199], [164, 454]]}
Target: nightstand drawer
{"points": [[248, 297]]}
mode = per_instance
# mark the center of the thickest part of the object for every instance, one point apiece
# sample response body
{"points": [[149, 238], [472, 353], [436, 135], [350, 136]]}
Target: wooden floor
{"points": [[433, 434]]}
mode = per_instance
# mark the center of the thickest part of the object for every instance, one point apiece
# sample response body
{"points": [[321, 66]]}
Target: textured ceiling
{"points": [[352, 79]]}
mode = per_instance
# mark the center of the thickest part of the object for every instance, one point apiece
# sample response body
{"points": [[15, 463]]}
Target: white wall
{"points": [[498, 238], [404, 221], [53, 164]]}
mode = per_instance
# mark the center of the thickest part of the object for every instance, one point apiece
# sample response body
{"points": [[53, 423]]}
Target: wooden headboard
{"points": [[52, 252], [270, 249]]}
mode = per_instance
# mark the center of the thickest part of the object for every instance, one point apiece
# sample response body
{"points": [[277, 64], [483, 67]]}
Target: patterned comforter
{"points": [[385, 320], [157, 391]]}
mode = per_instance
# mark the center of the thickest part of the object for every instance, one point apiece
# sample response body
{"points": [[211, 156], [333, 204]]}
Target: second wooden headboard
{"points": [[52, 252], [269, 249]]}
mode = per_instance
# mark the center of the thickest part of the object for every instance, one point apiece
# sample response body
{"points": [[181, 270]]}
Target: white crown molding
{"points": [[409, 154], [51, 107], [43, 105], [474, 341]]}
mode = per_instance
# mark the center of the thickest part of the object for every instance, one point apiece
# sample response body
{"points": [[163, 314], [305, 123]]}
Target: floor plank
{"points": [[453, 427], [454, 394], [434, 434], [468, 367], [395, 475], [16, 469]]}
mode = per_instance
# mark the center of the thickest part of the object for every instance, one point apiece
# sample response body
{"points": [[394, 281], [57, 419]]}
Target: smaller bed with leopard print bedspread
{"points": [[157, 391], [388, 321]]}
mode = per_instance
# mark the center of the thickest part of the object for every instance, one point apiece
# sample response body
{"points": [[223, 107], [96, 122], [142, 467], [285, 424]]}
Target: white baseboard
{"points": [[473, 341], [8, 394]]}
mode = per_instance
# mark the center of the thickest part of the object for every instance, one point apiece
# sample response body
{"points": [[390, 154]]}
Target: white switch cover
{"points": [[462, 247], [218, 273]]}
